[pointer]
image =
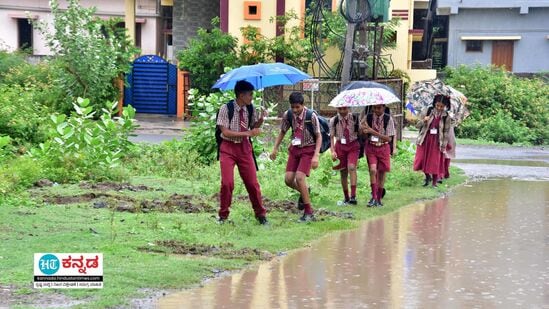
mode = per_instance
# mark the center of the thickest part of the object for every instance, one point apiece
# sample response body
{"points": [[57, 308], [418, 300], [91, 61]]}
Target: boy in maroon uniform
{"points": [[303, 153], [380, 129], [236, 149], [345, 148]]}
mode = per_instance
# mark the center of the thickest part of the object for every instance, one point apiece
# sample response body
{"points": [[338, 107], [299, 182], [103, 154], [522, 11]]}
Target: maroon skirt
{"points": [[429, 158]]}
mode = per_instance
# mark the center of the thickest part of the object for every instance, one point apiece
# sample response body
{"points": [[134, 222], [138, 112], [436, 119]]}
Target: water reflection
{"points": [[484, 246]]}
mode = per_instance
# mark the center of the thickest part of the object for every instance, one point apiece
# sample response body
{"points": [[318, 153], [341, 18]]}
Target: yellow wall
{"points": [[401, 55]]}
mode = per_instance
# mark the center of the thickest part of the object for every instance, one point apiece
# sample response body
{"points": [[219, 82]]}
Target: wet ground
{"points": [[485, 245]]}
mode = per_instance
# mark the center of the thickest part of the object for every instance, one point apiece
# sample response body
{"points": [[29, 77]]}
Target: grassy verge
{"points": [[153, 239]]}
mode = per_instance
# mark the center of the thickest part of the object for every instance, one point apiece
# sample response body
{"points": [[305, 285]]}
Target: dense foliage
{"points": [[80, 148], [504, 108], [91, 53], [207, 56]]}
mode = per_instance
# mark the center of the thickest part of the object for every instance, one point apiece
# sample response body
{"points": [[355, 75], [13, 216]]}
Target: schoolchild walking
{"points": [[236, 149], [434, 125], [304, 150], [345, 147], [450, 151], [379, 128]]}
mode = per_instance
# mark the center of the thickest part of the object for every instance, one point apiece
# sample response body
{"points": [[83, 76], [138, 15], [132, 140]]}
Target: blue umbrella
{"points": [[261, 75]]}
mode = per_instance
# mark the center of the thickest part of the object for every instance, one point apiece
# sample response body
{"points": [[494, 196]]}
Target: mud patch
{"points": [[226, 251], [174, 203], [115, 186], [10, 296]]}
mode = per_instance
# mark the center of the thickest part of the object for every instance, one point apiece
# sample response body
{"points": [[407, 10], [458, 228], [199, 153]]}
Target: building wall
{"points": [[189, 16], [146, 14], [530, 51]]}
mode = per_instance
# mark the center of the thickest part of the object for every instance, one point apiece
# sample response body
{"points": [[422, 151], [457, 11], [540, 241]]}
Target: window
{"points": [[252, 10], [473, 46], [24, 30]]}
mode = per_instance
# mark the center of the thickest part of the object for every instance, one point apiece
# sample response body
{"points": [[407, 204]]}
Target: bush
{"points": [[8, 61], [91, 53], [21, 114], [80, 148], [207, 56], [18, 174], [500, 103]]}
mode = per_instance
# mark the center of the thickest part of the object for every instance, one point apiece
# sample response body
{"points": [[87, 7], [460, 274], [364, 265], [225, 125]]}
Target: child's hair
{"points": [[442, 98], [296, 98], [242, 86]]}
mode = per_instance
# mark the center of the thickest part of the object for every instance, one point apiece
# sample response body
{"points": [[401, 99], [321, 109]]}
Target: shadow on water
{"points": [[486, 245]]}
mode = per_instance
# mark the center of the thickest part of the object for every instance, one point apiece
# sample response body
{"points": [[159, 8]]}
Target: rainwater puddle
{"points": [[484, 246], [503, 162]]}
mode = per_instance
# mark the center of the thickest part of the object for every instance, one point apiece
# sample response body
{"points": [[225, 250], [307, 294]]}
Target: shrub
{"points": [[21, 114], [19, 173], [498, 100], [91, 53], [9, 61], [80, 148], [207, 56]]}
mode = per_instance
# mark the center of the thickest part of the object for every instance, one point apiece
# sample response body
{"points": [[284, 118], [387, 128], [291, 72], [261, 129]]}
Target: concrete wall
{"points": [[11, 10], [530, 51], [188, 16]]}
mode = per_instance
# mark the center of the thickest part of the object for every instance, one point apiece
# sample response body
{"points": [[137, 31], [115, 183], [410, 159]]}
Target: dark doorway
{"points": [[24, 30]]}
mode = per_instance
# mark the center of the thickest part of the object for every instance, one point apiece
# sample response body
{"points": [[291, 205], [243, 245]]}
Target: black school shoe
{"points": [[307, 218], [262, 220], [371, 203], [352, 200], [427, 180]]}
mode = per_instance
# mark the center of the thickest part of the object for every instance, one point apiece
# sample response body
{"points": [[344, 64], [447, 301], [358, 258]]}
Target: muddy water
{"points": [[485, 245]]}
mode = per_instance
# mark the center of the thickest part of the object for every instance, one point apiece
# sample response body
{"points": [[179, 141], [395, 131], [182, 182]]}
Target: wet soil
{"points": [[186, 203], [226, 251]]}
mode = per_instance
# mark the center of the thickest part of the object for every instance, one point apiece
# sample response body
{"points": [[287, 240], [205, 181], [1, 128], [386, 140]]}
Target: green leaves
{"points": [[504, 108], [91, 52], [80, 147]]}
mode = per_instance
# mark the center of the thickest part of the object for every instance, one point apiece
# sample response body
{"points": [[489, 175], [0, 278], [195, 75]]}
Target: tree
{"points": [[92, 53]]}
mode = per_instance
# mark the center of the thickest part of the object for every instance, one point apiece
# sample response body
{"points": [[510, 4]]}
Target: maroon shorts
{"points": [[379, 155], [300, 158], [348, 153]]}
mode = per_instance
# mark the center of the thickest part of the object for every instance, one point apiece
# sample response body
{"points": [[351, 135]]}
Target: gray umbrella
{"points": [[366, 84]]}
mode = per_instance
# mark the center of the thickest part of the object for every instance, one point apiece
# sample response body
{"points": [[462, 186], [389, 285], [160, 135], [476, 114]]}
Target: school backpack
{"points": [[361, 137], [386, 117], [324, 127], [230, 110]]}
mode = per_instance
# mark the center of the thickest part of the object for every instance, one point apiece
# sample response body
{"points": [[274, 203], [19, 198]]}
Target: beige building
{"points": [[152, 29], [241, 13]]}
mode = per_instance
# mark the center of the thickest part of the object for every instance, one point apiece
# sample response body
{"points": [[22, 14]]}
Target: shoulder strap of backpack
{"points": [[289, 116], [308, 116], [250, 115], [386, 118], [355, 119], [230, 110], [336, 121], [369, 119]]}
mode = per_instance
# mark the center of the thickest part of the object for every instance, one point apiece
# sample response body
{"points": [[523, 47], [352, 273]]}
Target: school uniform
{"points": [[347, 146], [377, 151], [431, 142], [237, 151], [302, 147]]}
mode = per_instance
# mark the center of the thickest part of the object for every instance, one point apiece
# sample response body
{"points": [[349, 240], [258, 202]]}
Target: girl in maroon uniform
{"points": [[433, 125]]}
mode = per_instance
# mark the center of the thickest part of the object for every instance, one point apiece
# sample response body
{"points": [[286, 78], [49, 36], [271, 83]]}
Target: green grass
{"points": [[133, 259]]}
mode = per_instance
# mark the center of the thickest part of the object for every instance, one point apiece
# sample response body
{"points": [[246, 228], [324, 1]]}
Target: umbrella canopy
{"points": [[363, 97], [261, 75], [422, 94], [366, 84]]}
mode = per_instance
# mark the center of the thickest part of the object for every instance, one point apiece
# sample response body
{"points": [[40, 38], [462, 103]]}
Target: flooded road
{"points": [[486, 245]]}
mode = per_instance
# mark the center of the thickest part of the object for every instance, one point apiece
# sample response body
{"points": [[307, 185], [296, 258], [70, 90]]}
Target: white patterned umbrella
{"points": [[363, 97]]}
